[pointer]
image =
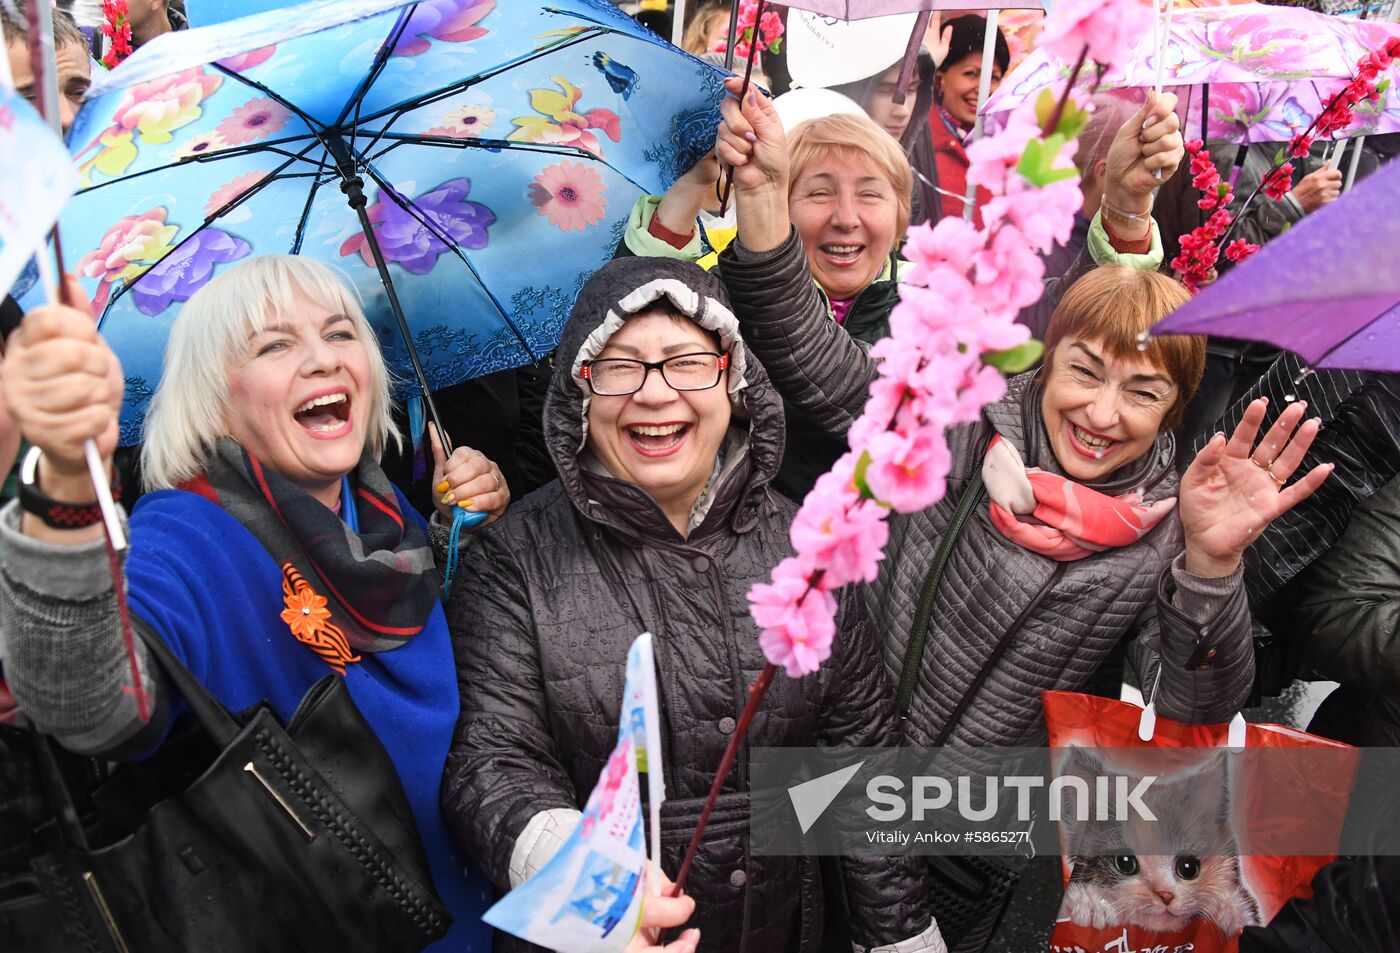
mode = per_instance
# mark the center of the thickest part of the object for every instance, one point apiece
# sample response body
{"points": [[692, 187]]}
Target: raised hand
{"points": [[63, 386], [1233, 489], [751, 140], [1318, 188], [938, 38], [690, 193], [1148, 142], [467, 479]]}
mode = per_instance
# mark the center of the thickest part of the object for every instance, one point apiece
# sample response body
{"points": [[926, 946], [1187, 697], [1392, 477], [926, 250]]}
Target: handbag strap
{"points": [[923, 612], [212, 716], [995, 655], [56, 792]]}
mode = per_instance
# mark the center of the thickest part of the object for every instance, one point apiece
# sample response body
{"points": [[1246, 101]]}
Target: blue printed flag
{"points": [[588, 898]]}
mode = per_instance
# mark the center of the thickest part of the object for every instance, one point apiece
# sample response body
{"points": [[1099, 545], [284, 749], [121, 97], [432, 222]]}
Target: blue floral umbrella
{"points": [[467, 163]]}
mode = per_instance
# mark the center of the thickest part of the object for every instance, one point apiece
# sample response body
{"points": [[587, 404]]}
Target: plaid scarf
{"points": [[344, 592]]}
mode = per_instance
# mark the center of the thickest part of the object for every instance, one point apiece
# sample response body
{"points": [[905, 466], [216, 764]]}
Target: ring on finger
{"points": [[1278, 481], [497, 478], [1266, 467]]}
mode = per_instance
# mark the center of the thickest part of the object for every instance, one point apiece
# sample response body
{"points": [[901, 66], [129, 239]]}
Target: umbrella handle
{"points": [[744, 89]]}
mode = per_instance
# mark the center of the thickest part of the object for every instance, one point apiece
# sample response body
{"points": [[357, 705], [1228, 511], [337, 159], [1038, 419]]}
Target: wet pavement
{"points": [[1026, 927]]}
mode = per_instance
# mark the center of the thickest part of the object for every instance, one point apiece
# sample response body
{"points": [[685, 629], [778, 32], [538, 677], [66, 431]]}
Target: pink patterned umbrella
{"points": [[1269, 71], [861, 9]]}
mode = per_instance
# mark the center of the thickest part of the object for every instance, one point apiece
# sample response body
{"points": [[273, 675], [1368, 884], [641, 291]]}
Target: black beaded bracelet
{"points": [[54, 513]]}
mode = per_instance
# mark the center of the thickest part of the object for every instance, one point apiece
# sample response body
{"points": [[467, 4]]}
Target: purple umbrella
{"points": [[1332, 301]]}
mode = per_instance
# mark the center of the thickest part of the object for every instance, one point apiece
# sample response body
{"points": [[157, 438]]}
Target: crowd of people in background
{"points": [[646, 475]]}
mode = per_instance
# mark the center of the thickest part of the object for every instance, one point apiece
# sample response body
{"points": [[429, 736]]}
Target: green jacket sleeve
{"points": [[642, 243], [1103, 252]]}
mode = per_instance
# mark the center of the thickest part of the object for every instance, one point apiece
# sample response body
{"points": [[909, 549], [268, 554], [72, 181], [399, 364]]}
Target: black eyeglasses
{"points": [[618, 376]]}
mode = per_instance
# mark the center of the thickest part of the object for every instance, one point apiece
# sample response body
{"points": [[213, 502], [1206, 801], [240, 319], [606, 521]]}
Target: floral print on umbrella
{"points": [[152, 111], [465, 122], [560, 123], [452, 21], [246, 61], [133, 245], [570, 194], [187, 269], [254, 120], [230, 190], [201, 144], [404, 240], [1260, 44]]}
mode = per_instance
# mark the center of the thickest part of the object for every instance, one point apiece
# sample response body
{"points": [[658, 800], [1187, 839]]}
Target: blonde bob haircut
{"points": [[853, 138], [212, 332], [1112, 305]]}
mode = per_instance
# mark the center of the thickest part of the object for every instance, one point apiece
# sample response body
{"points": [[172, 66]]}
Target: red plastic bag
{"points": [[1125, 892]]}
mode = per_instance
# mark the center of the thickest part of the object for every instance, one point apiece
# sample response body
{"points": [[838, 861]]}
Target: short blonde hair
{"points": [[1113, 305], [190, 408], [854, 137], [696, 38]]}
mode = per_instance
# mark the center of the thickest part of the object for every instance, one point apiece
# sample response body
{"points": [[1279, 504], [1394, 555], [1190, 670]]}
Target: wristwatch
{"points": [[52, 512]]}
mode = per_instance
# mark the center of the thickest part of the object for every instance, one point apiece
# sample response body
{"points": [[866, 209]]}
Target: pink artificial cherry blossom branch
{"points": [[954, 327]]}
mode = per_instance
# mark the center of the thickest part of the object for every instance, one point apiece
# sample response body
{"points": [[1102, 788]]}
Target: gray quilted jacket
{"points": [[1063, 618], [555, 592]]}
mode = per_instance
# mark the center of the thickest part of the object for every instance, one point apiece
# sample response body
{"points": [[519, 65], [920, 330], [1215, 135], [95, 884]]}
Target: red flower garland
{"points": [[1201, 249], [116, 27]]}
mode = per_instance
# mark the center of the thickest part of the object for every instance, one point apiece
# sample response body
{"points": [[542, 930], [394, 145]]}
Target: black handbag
{"points": [[274, 838]]}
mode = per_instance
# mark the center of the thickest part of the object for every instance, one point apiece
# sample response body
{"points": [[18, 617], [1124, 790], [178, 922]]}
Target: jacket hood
{"points": [[862, 90], [753, 448], [1017, 417]]}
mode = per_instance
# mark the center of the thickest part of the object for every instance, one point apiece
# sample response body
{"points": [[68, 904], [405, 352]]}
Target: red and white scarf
{"points": [[1056, 517]]}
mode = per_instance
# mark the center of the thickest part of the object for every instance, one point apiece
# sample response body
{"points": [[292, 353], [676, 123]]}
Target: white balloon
{"points": [[799, 105], [823, 51]]}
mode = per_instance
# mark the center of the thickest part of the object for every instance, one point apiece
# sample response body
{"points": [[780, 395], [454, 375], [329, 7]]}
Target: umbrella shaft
{"points": [[354, 188], [733, 35], [984, 91]]}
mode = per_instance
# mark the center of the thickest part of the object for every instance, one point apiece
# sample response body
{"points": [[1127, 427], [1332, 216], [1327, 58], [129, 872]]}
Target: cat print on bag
{"points": [[1161, 875]]}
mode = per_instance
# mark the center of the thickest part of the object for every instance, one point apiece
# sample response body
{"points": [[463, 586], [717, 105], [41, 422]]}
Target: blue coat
{"points": [[205, 583]]}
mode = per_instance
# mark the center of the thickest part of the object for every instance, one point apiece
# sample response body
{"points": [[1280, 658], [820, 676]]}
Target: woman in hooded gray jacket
{"points": [[665, 433]]}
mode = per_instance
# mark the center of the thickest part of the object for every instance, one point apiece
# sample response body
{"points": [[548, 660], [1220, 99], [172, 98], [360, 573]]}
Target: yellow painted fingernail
{"points": [[465, 504], [443, 487], [449, 498]]}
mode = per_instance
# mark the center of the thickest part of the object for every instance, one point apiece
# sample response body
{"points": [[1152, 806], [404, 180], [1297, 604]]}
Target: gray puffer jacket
{"points": [[1063, 618], [553, 595]]}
